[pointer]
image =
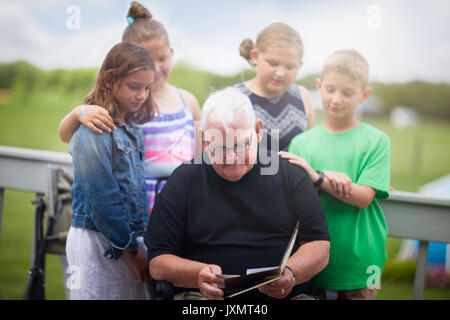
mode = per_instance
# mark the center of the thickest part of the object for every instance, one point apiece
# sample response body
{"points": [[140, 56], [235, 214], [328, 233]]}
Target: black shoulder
{"points": [[187, 171], [292, 169]]}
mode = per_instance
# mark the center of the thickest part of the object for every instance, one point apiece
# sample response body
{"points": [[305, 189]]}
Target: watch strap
{"points": [[319, 182]]}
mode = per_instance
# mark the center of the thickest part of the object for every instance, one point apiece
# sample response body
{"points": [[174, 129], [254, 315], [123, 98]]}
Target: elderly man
{"points": [[219, 215]]}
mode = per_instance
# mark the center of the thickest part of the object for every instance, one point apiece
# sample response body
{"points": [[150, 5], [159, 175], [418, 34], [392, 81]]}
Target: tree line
{"points": [[22, 79]]}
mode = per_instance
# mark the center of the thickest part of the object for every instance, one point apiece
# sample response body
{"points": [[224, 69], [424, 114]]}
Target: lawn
{"points": [[419, 155]]}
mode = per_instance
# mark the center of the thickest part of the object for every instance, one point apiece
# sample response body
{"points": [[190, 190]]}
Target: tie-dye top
{"points": [[283, 117], [168, 142]]}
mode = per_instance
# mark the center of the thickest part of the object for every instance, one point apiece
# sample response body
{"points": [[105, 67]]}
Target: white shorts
{"points": [[93, 276]]}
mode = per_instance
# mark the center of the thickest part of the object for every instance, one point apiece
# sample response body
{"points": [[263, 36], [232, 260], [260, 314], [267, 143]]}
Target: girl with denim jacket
{"points": [[169, 137], [105, 250]]}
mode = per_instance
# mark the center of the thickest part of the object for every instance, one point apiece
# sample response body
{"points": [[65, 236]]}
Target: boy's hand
{"points": [[139, 264], [302, 163], [95, 118], [340, 182]]}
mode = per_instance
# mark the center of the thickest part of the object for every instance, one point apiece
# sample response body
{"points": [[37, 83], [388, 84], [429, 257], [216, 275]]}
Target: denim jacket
{"points": [[109, 193]]}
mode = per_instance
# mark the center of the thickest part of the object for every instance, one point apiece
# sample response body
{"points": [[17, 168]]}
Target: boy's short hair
{"points": [[348, 62]]}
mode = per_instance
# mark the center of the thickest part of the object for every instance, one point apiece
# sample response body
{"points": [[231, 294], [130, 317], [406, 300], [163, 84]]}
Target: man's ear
{"points": [[108, 80], [198, 137], [201, 136], [259, 129]]}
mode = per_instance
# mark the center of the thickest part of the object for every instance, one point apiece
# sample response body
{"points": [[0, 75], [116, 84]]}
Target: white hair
{"points": [[224, 105]]}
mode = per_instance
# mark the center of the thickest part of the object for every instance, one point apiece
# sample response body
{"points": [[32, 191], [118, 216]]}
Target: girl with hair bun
{"points": [[279, 102], [169, 137]]}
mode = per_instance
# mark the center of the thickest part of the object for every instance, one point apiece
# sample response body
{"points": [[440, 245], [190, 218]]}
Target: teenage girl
{"points": [[104, 245], [283, 106], [169, 137]]}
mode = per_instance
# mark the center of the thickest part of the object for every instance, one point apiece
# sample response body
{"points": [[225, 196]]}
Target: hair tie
{"points": [[130, 20], [81, 113]]}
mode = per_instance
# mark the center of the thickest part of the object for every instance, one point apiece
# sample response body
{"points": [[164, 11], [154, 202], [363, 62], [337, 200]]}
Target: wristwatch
{"points": [[318, 183]]}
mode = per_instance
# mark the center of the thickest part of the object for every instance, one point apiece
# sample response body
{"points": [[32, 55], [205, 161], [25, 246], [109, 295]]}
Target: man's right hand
{"points": [[208, 282]]}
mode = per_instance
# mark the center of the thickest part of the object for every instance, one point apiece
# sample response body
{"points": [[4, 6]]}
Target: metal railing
{"points": [[415, 216], [408, 215]]}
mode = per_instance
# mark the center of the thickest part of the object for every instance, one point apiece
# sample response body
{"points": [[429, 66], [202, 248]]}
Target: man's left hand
{"points": [[280, 288]]}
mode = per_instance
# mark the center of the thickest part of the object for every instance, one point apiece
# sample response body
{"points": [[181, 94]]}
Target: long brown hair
{"points": [[122, 60]]}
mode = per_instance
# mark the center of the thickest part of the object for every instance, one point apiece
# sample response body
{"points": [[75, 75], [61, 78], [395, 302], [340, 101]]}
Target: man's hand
{"points": [[208, 282], [280, 288]]}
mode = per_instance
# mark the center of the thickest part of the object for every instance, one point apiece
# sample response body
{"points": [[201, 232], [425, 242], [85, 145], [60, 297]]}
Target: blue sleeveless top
{"points": [[285, 113]]}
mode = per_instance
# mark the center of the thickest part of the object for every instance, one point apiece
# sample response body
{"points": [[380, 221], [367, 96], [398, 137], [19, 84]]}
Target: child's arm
{"points": [[340, 182], [309, 108], [192, 104], [361, 196], [94, 117], [337, 184], [194, 108]]}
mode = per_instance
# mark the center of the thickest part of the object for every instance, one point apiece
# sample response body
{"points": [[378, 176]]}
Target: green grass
{"points": [[15, 250], [418, 155], [390, 290], [33, 123]]}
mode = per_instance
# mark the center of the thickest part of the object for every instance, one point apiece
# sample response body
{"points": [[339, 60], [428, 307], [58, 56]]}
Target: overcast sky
{"points": [[403, 40]]}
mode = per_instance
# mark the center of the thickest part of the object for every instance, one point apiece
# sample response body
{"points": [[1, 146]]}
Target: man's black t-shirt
{"points": [[198, 215]]}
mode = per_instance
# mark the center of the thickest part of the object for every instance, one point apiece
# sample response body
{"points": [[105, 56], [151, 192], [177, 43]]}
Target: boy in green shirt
{"points": [[351, 162]]}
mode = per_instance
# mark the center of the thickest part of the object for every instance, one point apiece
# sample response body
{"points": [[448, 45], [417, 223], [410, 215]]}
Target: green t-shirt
{"points": [[358, 236]]}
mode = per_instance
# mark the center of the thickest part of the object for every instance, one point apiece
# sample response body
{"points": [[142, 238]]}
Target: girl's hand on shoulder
{"points": [[96, 118], [302, 163], [340, 182]]}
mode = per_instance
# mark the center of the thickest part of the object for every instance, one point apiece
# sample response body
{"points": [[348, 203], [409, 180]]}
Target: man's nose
{"points": [[231, 156]]}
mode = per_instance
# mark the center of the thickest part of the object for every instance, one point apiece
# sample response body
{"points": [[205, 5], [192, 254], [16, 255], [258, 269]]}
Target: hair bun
{"points": [[245, 48], [138, 11]]}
